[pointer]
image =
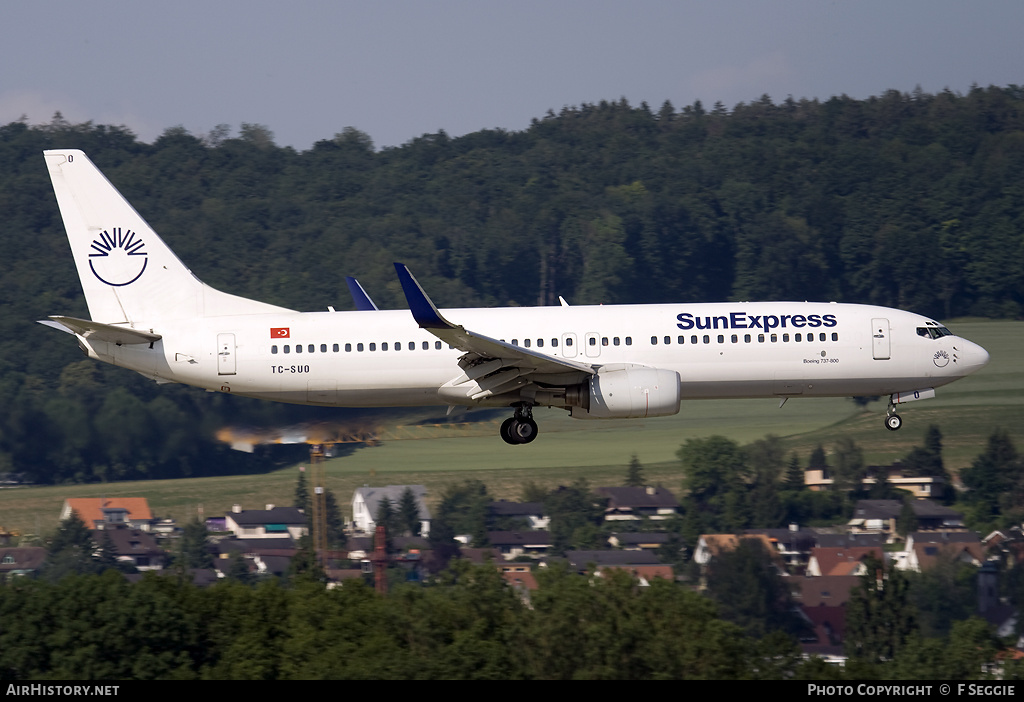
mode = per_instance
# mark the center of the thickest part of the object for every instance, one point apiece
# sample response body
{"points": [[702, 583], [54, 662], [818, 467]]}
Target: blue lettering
{"points": [[741, 320]]}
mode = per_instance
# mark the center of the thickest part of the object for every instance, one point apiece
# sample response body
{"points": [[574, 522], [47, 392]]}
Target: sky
{"points": [[398, 69]]}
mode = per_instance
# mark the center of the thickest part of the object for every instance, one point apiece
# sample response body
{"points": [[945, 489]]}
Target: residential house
{"points": [[531, 513], [793, 545], [642, 565], [133, 546], [637, 503], [514, 544], [366, 503], [879, 516], [822, 602], [639, 540], [923, 550], [841, 560], [711, 545], [20, 560], [920, 486], [266, 555], [272, 523], [98, 512]]}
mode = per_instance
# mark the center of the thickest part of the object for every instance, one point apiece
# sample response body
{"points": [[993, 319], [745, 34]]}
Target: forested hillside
{"points": [[914, 201]]}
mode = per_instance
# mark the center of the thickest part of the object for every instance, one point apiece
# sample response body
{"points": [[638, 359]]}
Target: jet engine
{"points": [[626, 393]]}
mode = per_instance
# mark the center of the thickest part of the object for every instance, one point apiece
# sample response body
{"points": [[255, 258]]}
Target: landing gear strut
{"points": [[519, 428], [892, 420]]}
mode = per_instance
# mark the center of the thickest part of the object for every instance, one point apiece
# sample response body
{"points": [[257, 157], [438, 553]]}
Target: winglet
{"points": [[359, 297], [423, 310]]}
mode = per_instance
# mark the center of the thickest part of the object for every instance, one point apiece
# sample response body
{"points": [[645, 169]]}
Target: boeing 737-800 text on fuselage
{"points": [[151, 315]]}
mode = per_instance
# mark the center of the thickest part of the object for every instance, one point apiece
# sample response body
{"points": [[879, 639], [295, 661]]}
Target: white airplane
{"points": [[150, 314]]}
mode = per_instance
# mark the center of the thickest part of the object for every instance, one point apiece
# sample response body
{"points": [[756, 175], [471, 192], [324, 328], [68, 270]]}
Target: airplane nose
{"points": [[972, 356]]}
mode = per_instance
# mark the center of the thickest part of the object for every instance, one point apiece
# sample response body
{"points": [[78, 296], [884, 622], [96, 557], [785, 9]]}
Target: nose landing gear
{"points": [[519, 428], [892, 420]]}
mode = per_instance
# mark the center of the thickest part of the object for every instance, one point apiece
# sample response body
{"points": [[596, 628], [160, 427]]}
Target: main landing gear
{"points": [[892, 420], [519, 428]]}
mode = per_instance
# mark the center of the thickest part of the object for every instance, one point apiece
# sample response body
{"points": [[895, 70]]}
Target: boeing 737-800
{"points": [[151, 315]]}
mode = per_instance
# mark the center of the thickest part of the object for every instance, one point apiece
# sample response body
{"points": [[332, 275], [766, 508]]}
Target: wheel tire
{"points": [[893, 422], [525, 430], [507, 431]]}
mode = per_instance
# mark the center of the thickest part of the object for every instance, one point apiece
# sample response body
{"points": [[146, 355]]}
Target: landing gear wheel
{"points": [[520, 428], [506, 431], [524, 430], [893, 422]]}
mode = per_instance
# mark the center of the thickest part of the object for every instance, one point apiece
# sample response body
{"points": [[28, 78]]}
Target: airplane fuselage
{"points": [[721, 350], [150, 314]]}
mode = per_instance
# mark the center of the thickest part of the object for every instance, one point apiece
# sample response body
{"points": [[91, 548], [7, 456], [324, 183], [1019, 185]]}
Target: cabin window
{"points": [[540, 343], [437, 345], [273, 349], [746, 338], [668, 339], [604, 341], [835, 336], [681, 339], [298, 348], [554, 343], [348, 348], [654, 341], [775, 338], [336, 348], [615, 341], [797, 337], [287, 348], [707, 339], [629, 341], [592, 341], [785, 337], [373, 346], [526, 343], [323, 348], [311, 348], [735, 338], [821, 336], [693, 339], [760, 338], [359, 347], [412, 346]]}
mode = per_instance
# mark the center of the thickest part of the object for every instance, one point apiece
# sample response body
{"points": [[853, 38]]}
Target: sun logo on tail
{"points": [[119, 257]]}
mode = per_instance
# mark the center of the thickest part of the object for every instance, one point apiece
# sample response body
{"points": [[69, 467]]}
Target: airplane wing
{"points": [[110, 333], [478, 346], [359, 296]]}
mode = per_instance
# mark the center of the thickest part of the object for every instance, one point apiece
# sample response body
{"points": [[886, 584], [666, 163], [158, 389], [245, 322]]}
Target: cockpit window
{"points": [[933, 332]]}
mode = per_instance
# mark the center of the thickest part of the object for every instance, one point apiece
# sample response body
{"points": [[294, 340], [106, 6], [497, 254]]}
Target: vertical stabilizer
{"points": [[127, 272]]}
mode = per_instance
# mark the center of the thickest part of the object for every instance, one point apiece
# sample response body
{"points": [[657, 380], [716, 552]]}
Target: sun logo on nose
{"points": [[940, 359], [119, 257]]}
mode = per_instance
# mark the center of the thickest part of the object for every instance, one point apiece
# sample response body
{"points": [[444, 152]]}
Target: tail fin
{"points": [[128, 274]]}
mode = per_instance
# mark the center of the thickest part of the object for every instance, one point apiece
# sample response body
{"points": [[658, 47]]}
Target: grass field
{"points": [[966, 411]]}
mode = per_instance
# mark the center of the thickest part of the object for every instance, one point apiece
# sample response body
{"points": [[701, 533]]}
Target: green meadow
{"points": [[966, 411]]}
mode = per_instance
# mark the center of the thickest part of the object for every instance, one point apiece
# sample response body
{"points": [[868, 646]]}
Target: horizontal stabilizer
{"points": [[96, 331]]}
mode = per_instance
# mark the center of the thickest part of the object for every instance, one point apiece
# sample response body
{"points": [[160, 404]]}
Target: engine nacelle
{"points": [[629, 393]]}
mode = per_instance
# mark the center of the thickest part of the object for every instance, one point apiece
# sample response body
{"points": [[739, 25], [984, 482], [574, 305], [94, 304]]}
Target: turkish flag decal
{"points": [[279, 332]]}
